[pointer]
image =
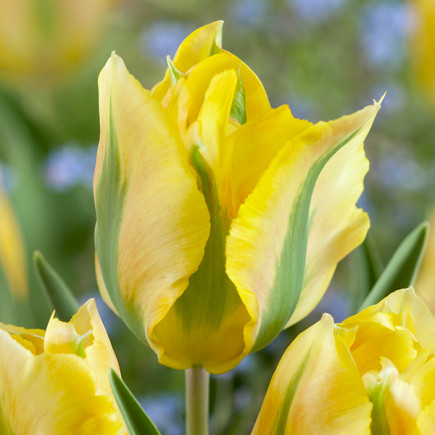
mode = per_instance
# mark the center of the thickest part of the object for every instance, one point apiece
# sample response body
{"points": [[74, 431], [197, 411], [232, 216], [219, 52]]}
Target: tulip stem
{"points": [[197, 398]]}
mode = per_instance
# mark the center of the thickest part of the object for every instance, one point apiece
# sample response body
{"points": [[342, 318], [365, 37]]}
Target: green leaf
{"points": [[136, 419], [403, 267], [55, 288], [366, 267]]}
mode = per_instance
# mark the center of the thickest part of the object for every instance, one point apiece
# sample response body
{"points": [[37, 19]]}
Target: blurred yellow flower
{"points": [[44, 40], [213, 233], [12, 256], [423, 47], [373, 373], [425, 282], [57, 381]]}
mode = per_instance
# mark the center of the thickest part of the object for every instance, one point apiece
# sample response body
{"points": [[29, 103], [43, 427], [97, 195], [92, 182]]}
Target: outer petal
{"points": [[267, 245], [56, 391], [12, 257], [337, 225], [316, 388], [152, 221]]}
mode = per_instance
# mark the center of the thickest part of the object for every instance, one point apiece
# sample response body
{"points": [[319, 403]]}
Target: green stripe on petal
{"points": [[268, 241]]}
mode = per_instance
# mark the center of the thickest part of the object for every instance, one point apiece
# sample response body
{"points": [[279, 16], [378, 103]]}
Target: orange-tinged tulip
{"points": [[372, 373], [220, 220], [57, 381], [44, 40]]}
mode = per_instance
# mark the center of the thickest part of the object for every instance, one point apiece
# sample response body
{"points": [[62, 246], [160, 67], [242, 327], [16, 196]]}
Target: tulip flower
{"points": [[41, 41], [12, 256], [423, 47], [57, 381], [372, 373], [220, 220], [425, 282]]}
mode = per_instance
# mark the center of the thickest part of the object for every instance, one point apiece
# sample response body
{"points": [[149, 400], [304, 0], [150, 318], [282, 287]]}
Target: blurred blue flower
{"points": [[163, 37], [400, 172], [248, 12], [315, 11], [165, 411], [8, 178], [383, 31], [69, 166]]}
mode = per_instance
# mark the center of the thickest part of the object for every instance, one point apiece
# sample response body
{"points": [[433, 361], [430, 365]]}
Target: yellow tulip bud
{"points": [[12, 256], [57, 381], [220, 220], [44, 40], [423, 47], [372, 373]]}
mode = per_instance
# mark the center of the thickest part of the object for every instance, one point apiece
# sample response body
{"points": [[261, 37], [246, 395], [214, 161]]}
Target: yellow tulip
{"points": [[57, 381], [423, 47], [43, 40], [373, 373], [206, 239], [425, 282], [12, 256]]}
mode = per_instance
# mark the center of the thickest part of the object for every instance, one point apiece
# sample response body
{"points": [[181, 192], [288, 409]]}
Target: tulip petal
{"points": [[276, 229], [53, 390], [316, 388], [152, 221], [401, 308], [199, 45], [242, 167]]}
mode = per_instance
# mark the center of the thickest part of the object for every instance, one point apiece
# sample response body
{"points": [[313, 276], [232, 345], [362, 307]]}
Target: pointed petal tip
{"points": [[378, 103]]}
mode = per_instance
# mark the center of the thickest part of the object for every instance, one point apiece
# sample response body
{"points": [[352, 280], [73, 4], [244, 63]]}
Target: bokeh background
{"points": [[324, 58]]}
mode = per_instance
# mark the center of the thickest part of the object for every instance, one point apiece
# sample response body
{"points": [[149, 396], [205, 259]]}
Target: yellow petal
{"points": [[337, 225], [12, 256], [86, 337], [213, 118], [402, 308], [268, 239], [47, 392], [199, 45], [316, 388], [152, 221], [242, 166]]}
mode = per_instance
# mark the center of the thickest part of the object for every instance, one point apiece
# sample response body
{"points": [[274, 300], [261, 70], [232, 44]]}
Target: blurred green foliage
{"points": [[324, 58]]}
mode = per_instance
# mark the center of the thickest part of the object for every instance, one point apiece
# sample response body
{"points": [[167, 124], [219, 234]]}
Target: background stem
{"points": [[197, 401]]}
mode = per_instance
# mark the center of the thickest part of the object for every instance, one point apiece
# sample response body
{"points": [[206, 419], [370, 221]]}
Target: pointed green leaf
{"points": [[366, 269], [136, 419], [55, 288], [403, 267]]}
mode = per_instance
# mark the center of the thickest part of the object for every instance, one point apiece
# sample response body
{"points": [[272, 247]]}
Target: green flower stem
{"points": [[197, 399]]}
